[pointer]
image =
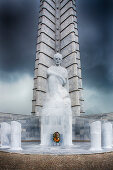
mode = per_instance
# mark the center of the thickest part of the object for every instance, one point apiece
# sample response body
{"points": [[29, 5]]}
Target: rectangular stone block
{"points": [[47, 22], [74, 98], [40, 19], [75, 25], [34, 93], [67, 14], [69, 60], [42, 70], [36, 72], [38, 39], [39, 26], [40, 98], [44, 59], [74, 3], [66, 7], [79, 83], [69, 49], [35, 82], [72, 70], [48, 31], [68, 39], [79, 63], [47, 40], [81, 106], [67, 22], [38, 110], [33, 106], [38, 46], [63, 3], [78, 54], [69, 29], [49, 7], [36, 63], [51, 2], [75, 18], [81, 94], [48, 14], [46, 50], [73, 84], [76, 31], [41, 84], [79, 72]]}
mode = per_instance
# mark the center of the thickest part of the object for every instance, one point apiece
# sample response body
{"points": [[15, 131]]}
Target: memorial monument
{"points": [[57, 97], [57, 33]]}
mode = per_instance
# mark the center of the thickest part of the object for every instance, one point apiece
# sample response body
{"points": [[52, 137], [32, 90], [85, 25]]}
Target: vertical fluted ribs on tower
{"points": [[57, 32], [45, 52], [70, 52]]}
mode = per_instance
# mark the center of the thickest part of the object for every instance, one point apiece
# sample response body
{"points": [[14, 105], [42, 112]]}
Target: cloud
{"points": [[97, 102], [16, 97]]}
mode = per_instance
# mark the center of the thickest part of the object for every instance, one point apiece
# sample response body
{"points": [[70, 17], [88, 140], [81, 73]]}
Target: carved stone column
{"points": [[58, 32]]}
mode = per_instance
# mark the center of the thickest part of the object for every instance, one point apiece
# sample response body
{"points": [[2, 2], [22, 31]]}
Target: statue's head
{"points": [[58, 59]]}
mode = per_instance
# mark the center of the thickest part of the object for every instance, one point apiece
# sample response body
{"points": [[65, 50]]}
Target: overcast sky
{"points": [[18, 35]]}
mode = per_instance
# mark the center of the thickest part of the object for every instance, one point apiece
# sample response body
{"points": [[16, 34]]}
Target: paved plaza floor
{"points": [[76, 148]]}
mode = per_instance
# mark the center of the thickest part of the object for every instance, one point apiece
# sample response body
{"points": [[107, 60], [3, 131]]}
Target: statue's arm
{"points": [[67, 82], [52, 72]]}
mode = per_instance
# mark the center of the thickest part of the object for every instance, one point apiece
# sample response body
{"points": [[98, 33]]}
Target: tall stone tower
{"points": [[57, 32]]}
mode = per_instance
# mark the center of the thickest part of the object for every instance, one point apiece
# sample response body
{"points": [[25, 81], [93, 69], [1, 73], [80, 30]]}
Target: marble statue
{"points": [[56, 112]]}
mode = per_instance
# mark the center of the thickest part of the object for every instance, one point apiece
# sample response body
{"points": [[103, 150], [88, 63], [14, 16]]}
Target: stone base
{"points": [[11, 161]]}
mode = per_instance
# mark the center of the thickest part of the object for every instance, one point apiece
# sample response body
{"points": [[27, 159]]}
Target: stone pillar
{"points": [[107, 135], [95, 132], [70, 51], [44, 53], [15, 135], [58, 32], [5, 135]]}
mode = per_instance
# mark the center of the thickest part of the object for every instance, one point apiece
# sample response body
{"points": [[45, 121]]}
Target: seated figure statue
{"points": [[56, 112]]}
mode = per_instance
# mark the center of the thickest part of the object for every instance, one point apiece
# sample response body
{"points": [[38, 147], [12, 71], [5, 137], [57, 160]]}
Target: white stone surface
{"points": [[95, 131], [107, 135], [67, 22], [72, 70], [48, 31], [48, 14], [15, 135], [76, 148], [46, 39], [76, 110], [68, 39], [5, 135], [47, 6], [48, 23]]}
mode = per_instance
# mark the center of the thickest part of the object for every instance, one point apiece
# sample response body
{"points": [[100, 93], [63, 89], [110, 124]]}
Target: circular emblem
{"points": [[56, 137]]}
